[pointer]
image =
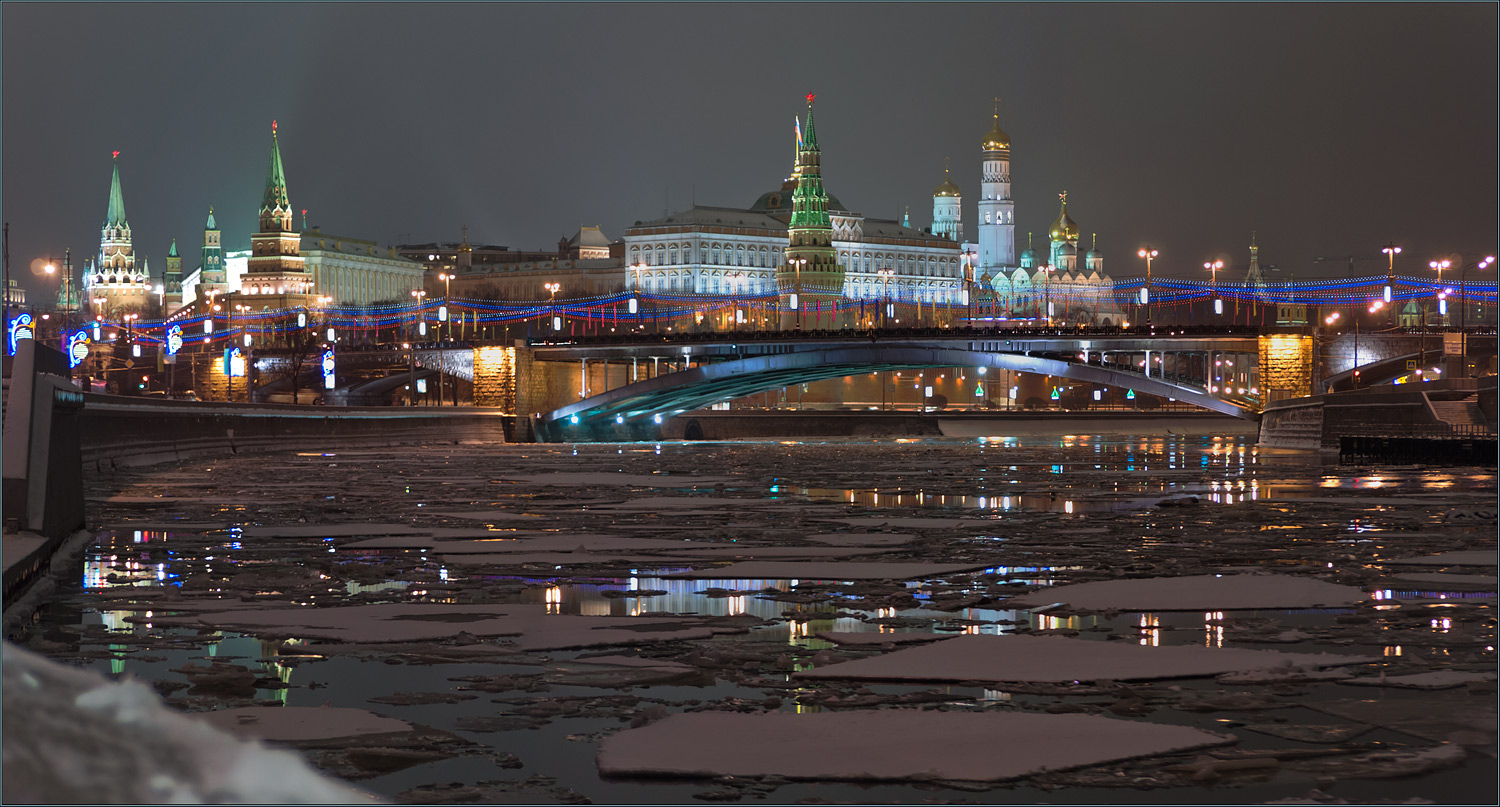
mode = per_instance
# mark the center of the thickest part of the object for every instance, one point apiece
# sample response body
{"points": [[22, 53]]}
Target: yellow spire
{"points": [[1063, 227]]}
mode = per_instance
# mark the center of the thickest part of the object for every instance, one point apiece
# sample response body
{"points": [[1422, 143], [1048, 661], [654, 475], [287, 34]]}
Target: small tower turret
{"points": [[947, 204]]}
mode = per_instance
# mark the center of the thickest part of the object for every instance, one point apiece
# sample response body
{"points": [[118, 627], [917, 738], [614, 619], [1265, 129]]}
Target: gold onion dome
{"points": [[1063, 227], [947, 188], [996, 139]]}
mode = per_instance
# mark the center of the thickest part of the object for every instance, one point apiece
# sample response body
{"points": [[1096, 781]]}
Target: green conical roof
{"points": [[172, 253], [211, 225], [275, 195], [810, 137], [116, 215]]}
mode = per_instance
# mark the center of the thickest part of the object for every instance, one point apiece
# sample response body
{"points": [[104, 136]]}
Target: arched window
{"points": [[716, 254], [673, 261]]}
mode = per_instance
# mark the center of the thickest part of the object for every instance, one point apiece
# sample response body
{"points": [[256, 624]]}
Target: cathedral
{"points": [[1061, 288]]}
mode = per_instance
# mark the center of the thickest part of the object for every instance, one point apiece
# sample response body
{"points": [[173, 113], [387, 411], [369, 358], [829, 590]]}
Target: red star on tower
{"points": [[810, 98]]}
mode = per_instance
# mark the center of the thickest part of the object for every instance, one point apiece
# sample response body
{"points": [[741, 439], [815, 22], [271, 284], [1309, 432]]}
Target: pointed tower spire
{"points": [[172, 253], [810, 138], [116, 215], [275, 196], [211, 225], [906, 219]]}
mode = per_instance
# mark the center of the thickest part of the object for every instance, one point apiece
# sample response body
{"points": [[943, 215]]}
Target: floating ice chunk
{"points": [[300, 723], [887, 744], [1443, 679], [1208, 592], [1480, 557], [1058, 659], [912, 523], [1461, 581], [586, 479], [862, 538], [828, 570]]}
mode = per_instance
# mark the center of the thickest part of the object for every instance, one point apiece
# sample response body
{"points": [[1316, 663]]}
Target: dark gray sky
{"points": [[1329, 129]]}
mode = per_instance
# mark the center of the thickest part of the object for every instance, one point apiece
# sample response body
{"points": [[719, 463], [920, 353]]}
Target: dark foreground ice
{"points": [[473, 624]]}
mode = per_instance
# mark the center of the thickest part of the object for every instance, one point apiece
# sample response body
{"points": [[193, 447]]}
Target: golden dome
{"points": [[996, 139], [947, 188], [1063, 228]]}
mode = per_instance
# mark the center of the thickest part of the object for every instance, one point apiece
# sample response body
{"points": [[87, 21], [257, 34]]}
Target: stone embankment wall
{"points": [[1319, 421], [115, 430]]}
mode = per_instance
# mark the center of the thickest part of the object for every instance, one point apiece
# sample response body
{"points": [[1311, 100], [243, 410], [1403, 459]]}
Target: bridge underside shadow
{"points": [[1380, 372], [630, 411]]}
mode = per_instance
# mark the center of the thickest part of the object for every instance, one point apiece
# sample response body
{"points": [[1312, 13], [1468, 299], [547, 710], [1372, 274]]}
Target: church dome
{"points": [[1067, 249], [947, 188], [1063, 227], [996, 139], [1028, 254]]}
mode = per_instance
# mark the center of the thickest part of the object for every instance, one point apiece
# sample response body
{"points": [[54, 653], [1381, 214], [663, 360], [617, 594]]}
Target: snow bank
{"points": [[830, 570], [72, 736]]}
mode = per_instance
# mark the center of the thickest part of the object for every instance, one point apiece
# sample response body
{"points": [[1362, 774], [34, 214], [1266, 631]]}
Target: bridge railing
{"points": [[875, 334]]}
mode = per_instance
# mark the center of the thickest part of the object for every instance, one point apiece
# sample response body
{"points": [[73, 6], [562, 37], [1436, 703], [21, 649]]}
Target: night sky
{"points": [[1329, 129]]}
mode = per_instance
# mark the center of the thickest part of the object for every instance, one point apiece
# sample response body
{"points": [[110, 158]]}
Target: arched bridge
{"points": [[628, 410]]}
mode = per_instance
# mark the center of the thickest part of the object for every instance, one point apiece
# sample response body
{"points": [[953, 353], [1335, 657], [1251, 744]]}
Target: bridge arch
{"points": [[697, 387]]}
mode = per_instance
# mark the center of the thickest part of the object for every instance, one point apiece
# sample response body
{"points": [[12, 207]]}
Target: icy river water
{"points": [[1064, 619]]}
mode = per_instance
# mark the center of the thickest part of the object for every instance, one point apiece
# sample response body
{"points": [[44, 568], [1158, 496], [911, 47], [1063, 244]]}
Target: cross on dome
{"points": [[1063, 196]]}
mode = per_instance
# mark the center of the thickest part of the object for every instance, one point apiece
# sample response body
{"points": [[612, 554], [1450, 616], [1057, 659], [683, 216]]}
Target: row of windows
{"points": [[717, 254]]}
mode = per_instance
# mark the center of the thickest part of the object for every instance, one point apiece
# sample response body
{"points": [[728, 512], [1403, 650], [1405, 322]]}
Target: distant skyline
{"points": [[1329, 129]]}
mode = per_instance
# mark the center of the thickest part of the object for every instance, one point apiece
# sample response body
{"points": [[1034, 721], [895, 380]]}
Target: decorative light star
{"points": [[115, 154], [810, 98]]}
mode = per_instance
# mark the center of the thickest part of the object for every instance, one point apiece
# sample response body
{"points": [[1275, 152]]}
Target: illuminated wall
{"points": [[1286, 364], [495, 377]]}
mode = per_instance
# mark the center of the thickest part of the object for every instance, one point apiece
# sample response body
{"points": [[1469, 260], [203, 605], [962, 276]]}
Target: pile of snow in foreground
{"points": [[72, 736]]}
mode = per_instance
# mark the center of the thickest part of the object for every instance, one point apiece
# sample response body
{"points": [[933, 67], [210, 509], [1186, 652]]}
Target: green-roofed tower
{"points": [[171, 281], [114, 279], [811, 272], [276, 266]]}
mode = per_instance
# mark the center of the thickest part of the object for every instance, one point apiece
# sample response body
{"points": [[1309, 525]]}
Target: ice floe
{"points": [[1208, 592], [886, 745], [1059, 659]]}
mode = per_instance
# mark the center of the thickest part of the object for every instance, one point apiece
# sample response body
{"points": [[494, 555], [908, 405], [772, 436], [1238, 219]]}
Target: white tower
{"points": [[996, 223], [947, 206]]}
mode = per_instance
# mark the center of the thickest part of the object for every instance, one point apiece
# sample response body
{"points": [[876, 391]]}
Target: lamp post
{"points": [[885, 310], [1391, 251], [552, 288], [735, 280], [1148, 253], [1463, 335], [1213, 268], [797, 264], [1049, 269]]}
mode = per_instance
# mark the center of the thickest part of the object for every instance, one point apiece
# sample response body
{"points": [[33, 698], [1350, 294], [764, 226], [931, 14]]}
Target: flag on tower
{"points": [[796, 122]]}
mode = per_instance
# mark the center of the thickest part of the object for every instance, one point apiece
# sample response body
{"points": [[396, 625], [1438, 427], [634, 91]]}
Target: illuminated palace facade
{"points": [[724, 250]]}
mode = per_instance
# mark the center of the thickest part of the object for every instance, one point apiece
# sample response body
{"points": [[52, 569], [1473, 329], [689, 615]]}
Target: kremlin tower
{"points": [[113, 284], [811, 279], [947, 205], [275, 267]]}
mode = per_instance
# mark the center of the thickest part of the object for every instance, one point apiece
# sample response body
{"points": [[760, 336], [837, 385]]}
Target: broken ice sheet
{"points": [[532, 627], [1481, 557], [831, 570], [301, 723], [1059, 659], [587, 479], [886, 744], [1208, 592], [1441, 679]]}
